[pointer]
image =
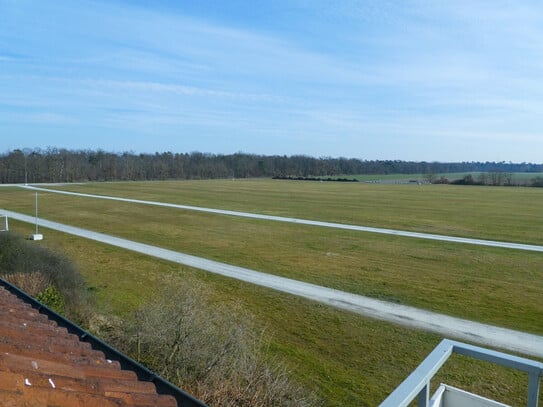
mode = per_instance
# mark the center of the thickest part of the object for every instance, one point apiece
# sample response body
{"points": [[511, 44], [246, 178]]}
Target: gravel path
{"points": [[454, 239], [511, 340]]}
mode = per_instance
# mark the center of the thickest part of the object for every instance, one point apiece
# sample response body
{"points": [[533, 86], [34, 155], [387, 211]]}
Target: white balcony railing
{"points": [[417, 384]]}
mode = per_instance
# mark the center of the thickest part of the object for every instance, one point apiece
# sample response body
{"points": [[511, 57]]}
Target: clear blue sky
{"points": [[375, 79]]}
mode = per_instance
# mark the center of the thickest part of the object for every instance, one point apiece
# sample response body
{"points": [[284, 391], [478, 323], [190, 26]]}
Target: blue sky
{"points": [[412, 80]]}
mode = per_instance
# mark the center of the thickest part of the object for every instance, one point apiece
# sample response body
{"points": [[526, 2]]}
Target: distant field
{"points": [[351, 360], [461, 280], [498, 213]]}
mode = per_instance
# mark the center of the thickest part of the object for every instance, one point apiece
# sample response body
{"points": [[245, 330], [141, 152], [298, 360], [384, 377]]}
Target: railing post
{"points": [[533, 389], [424, 396]]}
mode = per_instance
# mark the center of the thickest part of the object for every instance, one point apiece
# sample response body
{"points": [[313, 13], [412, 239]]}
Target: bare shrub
{"points": [[211, 351], [30, 266]]}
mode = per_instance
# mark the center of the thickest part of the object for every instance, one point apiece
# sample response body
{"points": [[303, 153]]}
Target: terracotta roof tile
{"points": [[42, 365]]}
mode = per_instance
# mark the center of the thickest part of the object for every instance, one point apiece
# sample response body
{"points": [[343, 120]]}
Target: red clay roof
{"points": [[42, 365]]}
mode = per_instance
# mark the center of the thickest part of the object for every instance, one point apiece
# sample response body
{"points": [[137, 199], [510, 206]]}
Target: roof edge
{"points": [[144, 374]]}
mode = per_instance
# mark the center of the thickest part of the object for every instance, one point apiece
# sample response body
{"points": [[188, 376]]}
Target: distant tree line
{"points": [[492, 178], [61, 165]]}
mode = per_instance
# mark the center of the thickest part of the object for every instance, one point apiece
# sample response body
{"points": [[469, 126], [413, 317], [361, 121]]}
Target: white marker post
{"points": [[36, 236]]}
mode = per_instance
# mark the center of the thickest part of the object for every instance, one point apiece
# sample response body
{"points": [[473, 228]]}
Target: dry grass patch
{"points": [[32, 283]]}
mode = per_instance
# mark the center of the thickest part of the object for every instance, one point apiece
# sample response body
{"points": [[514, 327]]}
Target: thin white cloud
{"points": [[39, 117], [158, 87], [5, 58]]}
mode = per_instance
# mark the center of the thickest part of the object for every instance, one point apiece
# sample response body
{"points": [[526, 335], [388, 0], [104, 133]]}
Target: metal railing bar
{"points": [[420, 377], [417, 384], [533, 389], [424, 396], [499, 358]]}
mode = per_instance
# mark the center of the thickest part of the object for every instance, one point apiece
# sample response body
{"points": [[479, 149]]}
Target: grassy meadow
{"points": [[498, 213], [347, 359]]}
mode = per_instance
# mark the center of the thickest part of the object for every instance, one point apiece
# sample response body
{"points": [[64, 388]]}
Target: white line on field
{"points": [[419, 235], [489, 335]]}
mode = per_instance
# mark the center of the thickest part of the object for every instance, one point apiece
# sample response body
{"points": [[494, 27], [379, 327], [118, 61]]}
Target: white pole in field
{"points": [[36, 236], [36, 213]]}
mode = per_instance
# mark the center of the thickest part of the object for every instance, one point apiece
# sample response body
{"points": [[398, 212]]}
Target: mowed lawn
{"points": [[492, 285], [348, 359], [499, 213]]}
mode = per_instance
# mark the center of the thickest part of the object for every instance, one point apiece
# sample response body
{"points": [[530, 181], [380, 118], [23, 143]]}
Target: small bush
{"points": [[52, 298], [43, 273], [537, 182], [211, 352], [442, 180], [467, 180]]}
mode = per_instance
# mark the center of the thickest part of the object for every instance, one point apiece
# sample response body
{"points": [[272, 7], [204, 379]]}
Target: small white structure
{"points": [[4, 226], [451, 396]]}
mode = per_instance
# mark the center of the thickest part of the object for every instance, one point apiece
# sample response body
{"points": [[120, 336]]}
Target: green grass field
{"points": [[348, 359], [481, 212]]}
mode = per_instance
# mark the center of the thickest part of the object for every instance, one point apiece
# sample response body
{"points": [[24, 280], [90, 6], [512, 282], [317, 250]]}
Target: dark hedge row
{"points": [[317, 179]]}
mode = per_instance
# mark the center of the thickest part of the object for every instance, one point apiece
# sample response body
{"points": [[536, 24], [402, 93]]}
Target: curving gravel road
{"points": [[511, 340], [453, 239]]}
